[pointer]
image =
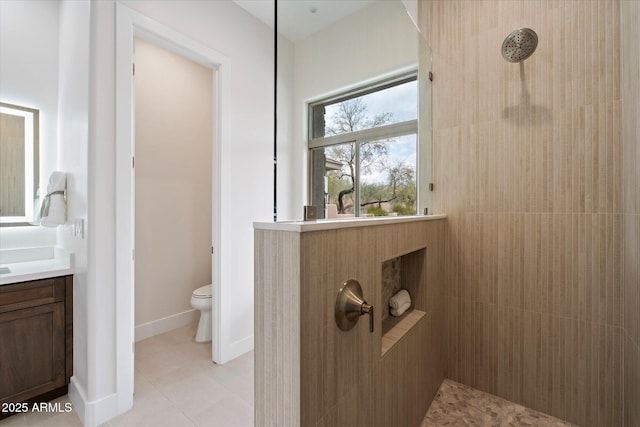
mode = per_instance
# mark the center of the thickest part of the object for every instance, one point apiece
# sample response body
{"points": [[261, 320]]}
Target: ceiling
{"points": [[297, 19]]}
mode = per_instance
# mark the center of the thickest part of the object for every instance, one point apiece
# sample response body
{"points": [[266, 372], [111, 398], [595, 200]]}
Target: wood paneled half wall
{"points": [[308, 372]]}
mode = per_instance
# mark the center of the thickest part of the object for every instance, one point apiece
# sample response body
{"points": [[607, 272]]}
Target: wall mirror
{"points": [[366, 55], [19, 129]]}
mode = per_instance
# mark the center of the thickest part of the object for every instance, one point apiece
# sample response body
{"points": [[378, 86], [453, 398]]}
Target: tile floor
{"points": [[460, 405], [176, 385]]}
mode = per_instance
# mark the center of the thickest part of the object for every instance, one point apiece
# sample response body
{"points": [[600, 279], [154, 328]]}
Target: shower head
{"points": [[519, 45]]}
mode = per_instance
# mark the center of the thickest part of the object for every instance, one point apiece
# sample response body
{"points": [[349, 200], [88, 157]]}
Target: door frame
{"points": [[130, 24]]}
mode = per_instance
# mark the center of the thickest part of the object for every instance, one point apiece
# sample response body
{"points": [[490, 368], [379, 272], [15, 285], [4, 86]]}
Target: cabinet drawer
{"points": [[30, 294]]}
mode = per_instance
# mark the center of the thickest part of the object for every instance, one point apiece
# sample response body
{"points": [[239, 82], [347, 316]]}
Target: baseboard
{"points": [[166, 324], [94, 413], [78, 399], [237, 349]]}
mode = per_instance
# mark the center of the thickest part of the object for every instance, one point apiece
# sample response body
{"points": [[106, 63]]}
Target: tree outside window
{"points": [[364, 159]]}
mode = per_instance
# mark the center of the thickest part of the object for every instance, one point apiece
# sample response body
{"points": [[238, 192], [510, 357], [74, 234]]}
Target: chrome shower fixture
{"points": [[519, 45]]}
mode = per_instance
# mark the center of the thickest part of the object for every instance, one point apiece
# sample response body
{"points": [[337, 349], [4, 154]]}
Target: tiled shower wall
{"points": [[528, 168], [630, 87]]}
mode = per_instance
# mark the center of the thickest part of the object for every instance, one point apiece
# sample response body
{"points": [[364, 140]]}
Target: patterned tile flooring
{"points": [[460, 405]]}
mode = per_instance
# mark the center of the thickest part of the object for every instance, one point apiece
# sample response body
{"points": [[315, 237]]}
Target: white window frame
{"points": [[359, 137]]}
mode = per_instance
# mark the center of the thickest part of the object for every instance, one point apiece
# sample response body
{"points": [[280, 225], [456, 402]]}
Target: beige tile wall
{"points": [[310, 373], [527, 161], [630, 87]]}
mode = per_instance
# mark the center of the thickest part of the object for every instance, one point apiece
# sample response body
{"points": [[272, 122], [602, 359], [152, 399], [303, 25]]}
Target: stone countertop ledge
{"points": [[27, 264], [335, 224]]}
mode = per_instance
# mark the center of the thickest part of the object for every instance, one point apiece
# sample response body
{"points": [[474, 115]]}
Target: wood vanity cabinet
{"points": [[36, 340]]}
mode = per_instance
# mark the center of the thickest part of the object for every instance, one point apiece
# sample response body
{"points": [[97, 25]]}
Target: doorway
{"points": [[129, 25], [173, 186]]}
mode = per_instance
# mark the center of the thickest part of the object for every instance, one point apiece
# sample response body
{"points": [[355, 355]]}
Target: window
{"points": [[363, 151]]}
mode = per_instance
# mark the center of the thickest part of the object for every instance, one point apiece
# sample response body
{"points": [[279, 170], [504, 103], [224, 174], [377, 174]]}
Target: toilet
{"points": [[201, 300]]}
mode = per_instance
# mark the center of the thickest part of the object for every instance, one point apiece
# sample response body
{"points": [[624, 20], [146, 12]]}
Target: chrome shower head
{"points": [[519, 45]]}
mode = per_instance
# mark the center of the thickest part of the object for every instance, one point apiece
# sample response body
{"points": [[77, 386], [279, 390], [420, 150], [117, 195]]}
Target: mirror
{"points": [[19, 131], [328, 51]]}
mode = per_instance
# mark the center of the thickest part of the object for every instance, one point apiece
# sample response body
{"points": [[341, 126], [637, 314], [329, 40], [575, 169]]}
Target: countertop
{"points": [[34, 263], [334, 224]]}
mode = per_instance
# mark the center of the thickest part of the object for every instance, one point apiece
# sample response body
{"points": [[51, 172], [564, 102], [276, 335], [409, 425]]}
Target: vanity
{"points": [[36, 326], [382, 370]]}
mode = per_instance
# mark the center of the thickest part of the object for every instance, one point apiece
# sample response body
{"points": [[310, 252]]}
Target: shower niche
{"points": [[407, 271]]}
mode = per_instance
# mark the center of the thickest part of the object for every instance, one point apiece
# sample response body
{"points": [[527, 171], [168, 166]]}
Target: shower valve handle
{"points": [[350, 305], [368, 309]]}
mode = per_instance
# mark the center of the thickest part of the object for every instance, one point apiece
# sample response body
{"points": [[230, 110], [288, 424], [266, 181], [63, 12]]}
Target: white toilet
{"points": [[201, 300]]}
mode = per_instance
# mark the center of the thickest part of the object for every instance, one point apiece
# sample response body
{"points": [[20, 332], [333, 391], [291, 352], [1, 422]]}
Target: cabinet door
{"points": [[32, 351]]}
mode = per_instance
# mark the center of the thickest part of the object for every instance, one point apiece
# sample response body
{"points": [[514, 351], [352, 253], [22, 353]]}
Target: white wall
{"points": [[376, 41], [284, 105], [247, 182], [173, 145], [44, 50], [97, 388], [73, 147], [29, 77]]}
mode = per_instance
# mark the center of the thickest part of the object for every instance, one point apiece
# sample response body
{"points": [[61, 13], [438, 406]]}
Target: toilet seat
{"points": [[202, 292]]}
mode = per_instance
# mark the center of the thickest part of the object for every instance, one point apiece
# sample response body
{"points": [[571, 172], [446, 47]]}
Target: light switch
{"points": [[77, 228]]}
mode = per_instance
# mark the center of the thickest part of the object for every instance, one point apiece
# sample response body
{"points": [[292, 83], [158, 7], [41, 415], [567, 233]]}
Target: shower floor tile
{"points": [[460, 405]]}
